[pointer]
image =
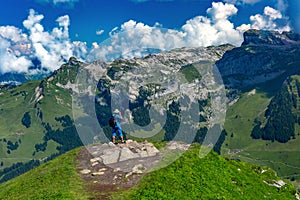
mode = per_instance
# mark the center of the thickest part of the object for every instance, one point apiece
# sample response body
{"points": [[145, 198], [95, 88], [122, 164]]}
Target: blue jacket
{"points": [[118, 119]]}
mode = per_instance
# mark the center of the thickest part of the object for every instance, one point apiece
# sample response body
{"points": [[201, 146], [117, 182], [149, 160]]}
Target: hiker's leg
{"points": [[121, 135], [114, 136]]}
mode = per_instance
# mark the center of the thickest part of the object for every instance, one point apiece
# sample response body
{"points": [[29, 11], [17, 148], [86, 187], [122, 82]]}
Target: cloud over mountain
{"points": [[53, 47]]}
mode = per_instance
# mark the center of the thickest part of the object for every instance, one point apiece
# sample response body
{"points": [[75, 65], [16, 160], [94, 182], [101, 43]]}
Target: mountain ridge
{"points": [[248, 66]]}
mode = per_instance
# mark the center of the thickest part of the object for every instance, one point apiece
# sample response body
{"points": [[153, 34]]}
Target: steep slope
{"points": [[263, 56], [35, 124], [261, 122], [190, 177], [262, 127], [36, 117]]}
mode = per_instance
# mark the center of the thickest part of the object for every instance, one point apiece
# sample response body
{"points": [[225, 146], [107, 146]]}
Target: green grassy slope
{"points": [[56, 179], [45, 102], [14, 103], [190, 177], [282, 157]]}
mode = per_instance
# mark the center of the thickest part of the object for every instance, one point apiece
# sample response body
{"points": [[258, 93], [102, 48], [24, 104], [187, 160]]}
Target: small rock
{"points": [[94, 164], [95, 160], [117, 169], [85, 171], [138, 169], [97, 173], [129, 141], [151, 150], [143, 154], [297, 196], [102, 169], [263, 171], [111, 144], [280, 183], [128, 174]]}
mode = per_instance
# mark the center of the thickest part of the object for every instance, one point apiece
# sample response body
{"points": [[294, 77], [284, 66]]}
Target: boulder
{"points": [[127, 154], [110, 157]]}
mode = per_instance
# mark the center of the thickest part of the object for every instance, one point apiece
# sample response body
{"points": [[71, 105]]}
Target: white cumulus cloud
{"points": [[213, 29], [271, 19], [51, 48]]}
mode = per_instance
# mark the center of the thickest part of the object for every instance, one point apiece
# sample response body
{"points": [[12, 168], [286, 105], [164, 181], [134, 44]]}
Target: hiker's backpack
{"points": [[112, 121]]}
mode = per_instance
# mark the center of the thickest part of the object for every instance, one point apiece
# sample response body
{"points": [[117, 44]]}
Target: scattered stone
{"points": [[138, 169], [128, 174], [102, 169], [97, 173], [85, 171], [151, 150], [297, 196], [95, 160], [263, 171], [115, 177], [111, 144], [277, 184], [117, 169], [94, 164], [129, 141]]}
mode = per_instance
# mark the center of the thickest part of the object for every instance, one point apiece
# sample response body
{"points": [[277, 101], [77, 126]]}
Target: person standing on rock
{"points": [[116, 126]]}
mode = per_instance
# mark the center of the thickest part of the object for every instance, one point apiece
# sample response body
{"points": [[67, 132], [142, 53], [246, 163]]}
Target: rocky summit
{"points": [[122, 165], [131, 157]]}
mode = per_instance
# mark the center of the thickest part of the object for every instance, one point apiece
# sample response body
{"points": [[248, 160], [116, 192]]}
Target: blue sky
{"points": [[53, 30]]}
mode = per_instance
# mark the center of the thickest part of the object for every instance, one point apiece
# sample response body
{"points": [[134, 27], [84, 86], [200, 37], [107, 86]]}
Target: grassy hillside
{"points": [[56, 179], [242, 117], [35, 123], [190, 177]]}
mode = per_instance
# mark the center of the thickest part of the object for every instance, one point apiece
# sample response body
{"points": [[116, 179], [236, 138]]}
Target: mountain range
{"points": [[169, 96]]}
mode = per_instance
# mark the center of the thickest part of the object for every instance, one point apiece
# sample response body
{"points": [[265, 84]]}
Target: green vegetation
{"points": [[189, 177], [247, 118], [190, 73], [26, 120], [27, 113], [280, 123], [211, 177], [56, 179]]}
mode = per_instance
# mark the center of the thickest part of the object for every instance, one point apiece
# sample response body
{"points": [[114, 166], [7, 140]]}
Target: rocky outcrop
{"points": [[261, 37], [131, 158], [263, 56]]}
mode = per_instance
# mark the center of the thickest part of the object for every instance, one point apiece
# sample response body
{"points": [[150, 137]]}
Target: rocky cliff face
{"points": [[261, 37], [264, 55]]}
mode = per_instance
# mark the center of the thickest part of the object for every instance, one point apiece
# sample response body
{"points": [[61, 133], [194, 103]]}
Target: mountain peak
{"points": [[264, 37]]}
